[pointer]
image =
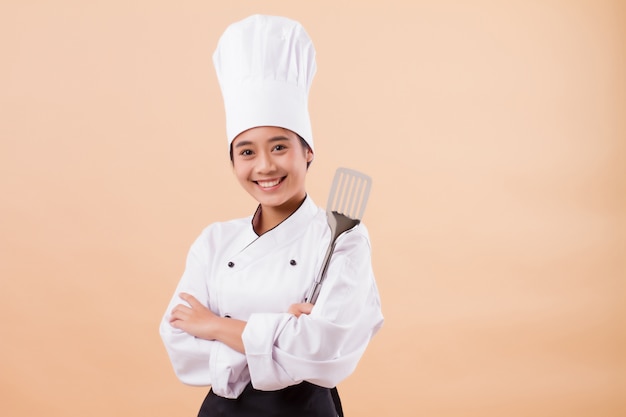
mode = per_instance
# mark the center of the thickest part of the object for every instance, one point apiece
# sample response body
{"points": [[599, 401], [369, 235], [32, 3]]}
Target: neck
{"points": [[267, 218]]}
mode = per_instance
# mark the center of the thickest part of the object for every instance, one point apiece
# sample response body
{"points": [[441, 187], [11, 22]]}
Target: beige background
{"points": [[495, 134]]}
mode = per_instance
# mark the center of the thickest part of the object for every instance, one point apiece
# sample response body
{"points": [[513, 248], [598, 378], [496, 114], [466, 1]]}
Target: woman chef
{"points": [[237, 321]]}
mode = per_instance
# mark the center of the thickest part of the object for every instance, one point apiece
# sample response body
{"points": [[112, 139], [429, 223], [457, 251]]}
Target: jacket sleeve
{"points": [[325, 346], [197, 361], [190, 356]]}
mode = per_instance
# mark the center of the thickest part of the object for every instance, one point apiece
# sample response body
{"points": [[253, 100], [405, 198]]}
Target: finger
{"points": [[304, 308], [182, 308], [176, 315], [307, 308], [193, 301], [300, 308], [180, 312]]}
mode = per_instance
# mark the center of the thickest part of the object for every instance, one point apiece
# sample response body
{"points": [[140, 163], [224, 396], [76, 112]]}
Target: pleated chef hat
{"points": [[265, 66]]}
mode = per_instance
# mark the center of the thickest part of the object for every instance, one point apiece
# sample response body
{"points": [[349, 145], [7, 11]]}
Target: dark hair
{"points": [[305, 145], [303, 142]]}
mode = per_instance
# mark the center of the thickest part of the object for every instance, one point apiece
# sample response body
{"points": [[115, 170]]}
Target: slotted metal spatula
{"points": [[345, 207]]}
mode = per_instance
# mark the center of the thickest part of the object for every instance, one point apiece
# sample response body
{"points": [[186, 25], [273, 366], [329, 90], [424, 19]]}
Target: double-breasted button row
{"points": [[291, 262]]}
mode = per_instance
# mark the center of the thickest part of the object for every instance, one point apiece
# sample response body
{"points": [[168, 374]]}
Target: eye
{"points": [[246, 152], [279, 148]]}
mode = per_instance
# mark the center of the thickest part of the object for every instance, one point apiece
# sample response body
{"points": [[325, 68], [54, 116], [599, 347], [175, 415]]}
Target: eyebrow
{"points": [[273, 139]]}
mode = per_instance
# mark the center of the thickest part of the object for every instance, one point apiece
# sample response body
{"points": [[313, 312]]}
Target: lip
{"points": [[269, 184]]}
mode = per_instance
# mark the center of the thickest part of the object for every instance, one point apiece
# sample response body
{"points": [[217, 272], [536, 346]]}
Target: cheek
{"points": [[302, 163], [241, 172]]}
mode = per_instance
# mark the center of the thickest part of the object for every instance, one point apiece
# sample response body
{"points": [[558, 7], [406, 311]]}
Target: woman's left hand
{"points": [[300, 308], [195, 319]]}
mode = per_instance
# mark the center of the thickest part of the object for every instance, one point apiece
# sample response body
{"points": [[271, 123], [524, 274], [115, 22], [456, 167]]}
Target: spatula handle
{"points": [[314, 292]]}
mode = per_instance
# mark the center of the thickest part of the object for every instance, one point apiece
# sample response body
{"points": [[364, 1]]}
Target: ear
{"points": [[309, 154]]}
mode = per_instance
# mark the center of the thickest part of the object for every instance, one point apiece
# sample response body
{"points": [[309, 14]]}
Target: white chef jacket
{"points": [[236, 273]]}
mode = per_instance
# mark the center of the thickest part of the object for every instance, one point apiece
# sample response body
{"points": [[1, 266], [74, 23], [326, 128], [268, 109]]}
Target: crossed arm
{"points": [[199, 321]]}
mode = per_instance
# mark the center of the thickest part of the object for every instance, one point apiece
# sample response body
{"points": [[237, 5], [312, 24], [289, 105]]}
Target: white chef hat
{"points": [[265, 66]]}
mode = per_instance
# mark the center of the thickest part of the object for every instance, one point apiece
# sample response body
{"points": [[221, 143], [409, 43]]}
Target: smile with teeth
{"points": [[270, 183]]}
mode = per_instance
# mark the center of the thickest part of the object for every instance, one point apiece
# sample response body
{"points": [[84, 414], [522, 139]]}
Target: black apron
{"points": [[302, 400]]}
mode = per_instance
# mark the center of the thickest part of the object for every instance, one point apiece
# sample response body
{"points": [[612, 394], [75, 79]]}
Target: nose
{"points": [[265, 163]]}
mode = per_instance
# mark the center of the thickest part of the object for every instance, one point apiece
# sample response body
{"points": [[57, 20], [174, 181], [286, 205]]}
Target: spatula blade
{"points": [[349, 193]]}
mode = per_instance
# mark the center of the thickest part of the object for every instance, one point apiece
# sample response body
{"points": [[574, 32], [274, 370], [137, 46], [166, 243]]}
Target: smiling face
{"points": [[271, 164]]}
